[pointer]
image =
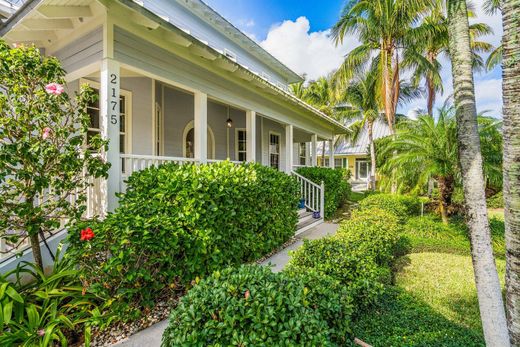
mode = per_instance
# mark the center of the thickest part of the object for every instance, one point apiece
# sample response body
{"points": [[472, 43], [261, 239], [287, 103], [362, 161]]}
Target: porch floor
{"points": [[151, 336]]}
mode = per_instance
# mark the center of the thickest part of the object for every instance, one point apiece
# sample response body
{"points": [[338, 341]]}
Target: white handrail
{"points": [[312, 194]]}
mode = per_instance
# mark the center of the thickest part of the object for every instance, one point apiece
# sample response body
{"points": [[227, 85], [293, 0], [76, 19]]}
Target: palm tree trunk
{"points": [[430, 87], [446, 187], [511, 96], [370, 126], [486, 277]]}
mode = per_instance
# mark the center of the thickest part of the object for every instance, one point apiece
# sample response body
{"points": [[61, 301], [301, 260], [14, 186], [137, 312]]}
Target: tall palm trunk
{"points": [[486, 277], [370, 126], [446, 187], [511, 126], [430, 87]]}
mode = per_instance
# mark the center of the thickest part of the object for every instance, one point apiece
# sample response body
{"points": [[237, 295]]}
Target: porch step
{"points": [[308, 224]]}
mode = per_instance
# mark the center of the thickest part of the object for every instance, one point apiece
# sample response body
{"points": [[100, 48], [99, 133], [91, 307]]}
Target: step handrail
{"points": [[312, 194]]}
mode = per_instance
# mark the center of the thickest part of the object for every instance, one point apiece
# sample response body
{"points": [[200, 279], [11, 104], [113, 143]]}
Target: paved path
{"points": [[151, 337]]}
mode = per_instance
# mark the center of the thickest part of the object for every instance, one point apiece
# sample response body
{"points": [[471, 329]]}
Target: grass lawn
{"points": [[433, 302]]}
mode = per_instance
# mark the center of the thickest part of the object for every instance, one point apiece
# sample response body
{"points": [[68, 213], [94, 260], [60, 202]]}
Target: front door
{"points": [[362, 169]]}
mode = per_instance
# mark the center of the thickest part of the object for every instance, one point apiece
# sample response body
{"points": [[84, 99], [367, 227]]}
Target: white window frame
{"points": [[304, 157], [358, 162], [237, 151], [211, 139], [158, 143], [128, 113], [279, 149]]}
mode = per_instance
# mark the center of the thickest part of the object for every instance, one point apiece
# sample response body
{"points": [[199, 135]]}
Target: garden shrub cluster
{"points": [[359, 256], [251, 306], [403, 206], [177, 223], [336, 183]]}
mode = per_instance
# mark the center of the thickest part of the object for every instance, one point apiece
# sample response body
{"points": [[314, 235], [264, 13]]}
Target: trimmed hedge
{"points": [[336, 183], [251, 306], [176, 223], [377, 233], [403, 206]]}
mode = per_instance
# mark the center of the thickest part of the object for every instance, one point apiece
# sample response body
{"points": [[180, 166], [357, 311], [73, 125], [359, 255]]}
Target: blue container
{"points": [[316, 215], [302, 203]]}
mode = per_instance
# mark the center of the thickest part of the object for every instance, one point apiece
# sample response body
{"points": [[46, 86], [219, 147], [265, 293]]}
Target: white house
{"points": [[177, 82]]}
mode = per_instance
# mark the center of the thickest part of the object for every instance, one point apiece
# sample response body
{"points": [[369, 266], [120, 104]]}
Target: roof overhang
{"points": [[202, 49]]}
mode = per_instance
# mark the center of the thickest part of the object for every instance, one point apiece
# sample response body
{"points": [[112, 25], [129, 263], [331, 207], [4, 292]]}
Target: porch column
{"points": [[331, 153], [289, 149], [200, 125], [314, 144], [251, 136], [110, 125]]}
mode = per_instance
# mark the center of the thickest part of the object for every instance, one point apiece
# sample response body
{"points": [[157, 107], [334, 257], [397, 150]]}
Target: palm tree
{"points": [[424, 57], [363, 105], [511, 110], [470, 158], [383, 27], [428, 146]]}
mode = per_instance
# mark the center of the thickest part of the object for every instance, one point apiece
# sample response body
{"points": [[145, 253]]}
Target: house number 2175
{"points": [[113, 99]]}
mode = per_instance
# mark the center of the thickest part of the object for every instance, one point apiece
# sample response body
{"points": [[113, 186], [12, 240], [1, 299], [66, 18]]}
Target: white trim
{"points": [[190, 126], [359, 161], [230, 54], [236, 143], [279, 150]]}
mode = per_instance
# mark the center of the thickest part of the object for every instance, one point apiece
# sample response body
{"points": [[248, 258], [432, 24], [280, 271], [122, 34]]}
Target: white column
{"points": [[314, 145], [331, 153], [200, 125], [251, 136], [289, 148], [109, 124]]}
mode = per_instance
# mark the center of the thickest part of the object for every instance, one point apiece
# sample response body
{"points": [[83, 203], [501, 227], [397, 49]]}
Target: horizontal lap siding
{"points": [[82, 52]]}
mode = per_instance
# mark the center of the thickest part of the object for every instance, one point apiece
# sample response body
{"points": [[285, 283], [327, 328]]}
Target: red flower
{"points": [[247, 294], [86, 234]]}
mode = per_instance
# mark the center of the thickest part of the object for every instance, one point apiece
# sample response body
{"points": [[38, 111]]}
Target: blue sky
{"points": [[296, 32]]}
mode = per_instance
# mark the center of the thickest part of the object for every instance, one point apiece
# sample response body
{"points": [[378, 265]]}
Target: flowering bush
{"points": [[176, 223], [43, 151]]}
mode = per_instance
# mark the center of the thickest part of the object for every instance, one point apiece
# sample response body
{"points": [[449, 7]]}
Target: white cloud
{"points": [[305, 52]]}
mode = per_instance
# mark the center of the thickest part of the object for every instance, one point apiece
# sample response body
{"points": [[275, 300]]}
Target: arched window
{"points": [[188, 149]]}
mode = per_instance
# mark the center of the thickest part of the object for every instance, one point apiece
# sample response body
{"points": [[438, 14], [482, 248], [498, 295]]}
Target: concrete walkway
{"points": [[151, 337]]}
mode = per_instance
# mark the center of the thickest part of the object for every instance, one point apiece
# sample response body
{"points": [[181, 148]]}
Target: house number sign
{"points": [[113, 99]]}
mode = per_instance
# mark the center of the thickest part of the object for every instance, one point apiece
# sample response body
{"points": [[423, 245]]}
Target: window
{"points": [[94, 128], [241, 145], [337, 162], [344, 163], [274, 150], [302, 153], [158, 129]]}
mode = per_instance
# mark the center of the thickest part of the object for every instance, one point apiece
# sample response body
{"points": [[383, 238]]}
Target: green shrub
{"points": [[375, 232], [342, 261], [336, 183], [248, 306], [38, 309], [496, 201], [176, 223], [402, 206]]}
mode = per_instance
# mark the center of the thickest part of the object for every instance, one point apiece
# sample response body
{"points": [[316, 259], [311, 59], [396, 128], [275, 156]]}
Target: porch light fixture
{"points": [[229, 121]]}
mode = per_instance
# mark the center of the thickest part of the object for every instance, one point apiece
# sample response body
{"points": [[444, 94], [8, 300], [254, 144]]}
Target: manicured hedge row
{"points": [[251, 306], [177, 223], [403, 206], [336, 183], [359, 255]]}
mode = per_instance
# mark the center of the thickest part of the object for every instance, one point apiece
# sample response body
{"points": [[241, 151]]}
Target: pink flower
{"points": [[54, 88], [46, 133]]}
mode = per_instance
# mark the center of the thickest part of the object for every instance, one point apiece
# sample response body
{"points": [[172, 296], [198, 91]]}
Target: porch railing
{"points": [[312, 193]]}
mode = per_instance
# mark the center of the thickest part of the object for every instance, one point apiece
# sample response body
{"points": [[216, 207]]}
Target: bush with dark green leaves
{"points": [[251, 306], [176, 223], [336, 183], [377, 233], [403, 206], [345, 262]]}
